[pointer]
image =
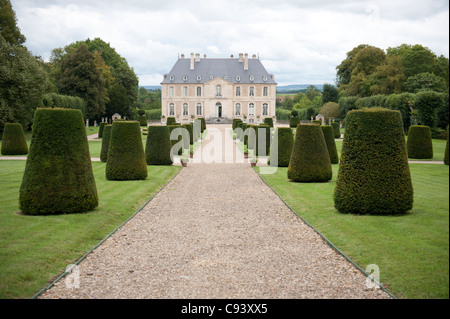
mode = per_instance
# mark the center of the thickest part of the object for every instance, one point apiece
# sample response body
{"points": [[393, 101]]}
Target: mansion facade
{"points": [[218, 90]]}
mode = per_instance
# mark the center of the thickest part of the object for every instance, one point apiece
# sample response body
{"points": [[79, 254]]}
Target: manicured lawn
{"points": [[34, 250], [411, 251]]}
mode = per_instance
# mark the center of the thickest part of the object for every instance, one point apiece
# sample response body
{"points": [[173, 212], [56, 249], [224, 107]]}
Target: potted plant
{"points": [[253, 162]]}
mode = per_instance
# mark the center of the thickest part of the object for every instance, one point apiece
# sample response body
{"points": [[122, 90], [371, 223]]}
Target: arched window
{"points": [[238, 109], [265, 109], [251, 109], [185, 109], [218, 91], [199, 91], [199, 108], [171, 109]]}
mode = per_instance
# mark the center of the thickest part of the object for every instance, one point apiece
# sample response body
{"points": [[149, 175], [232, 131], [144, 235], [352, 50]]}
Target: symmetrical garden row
{"points": [[58, 176]]}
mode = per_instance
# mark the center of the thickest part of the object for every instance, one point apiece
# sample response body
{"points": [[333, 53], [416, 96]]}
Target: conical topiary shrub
{"points": [[336, 130], [263, 146], [13, 140], [309, 160], [283, 142], [58, 176], [101, 127], [105, 142], [158, 146], [328, 133], [374, 175], [190, 129], [126, 157], [419, 144]]}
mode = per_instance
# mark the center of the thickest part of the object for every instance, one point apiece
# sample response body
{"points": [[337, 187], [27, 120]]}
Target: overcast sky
{"points": [[300, 41]]}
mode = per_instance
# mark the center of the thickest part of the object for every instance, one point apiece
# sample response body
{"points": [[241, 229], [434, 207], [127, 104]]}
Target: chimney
{"points": [[241, 57], [182, 55], [231, 56], [192, 61], [204, 56], [246, 62], [254, 56], [197, 57]]}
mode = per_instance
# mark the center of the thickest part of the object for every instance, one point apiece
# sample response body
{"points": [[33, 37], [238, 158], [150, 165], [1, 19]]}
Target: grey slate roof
{"points": [[227, 69]]}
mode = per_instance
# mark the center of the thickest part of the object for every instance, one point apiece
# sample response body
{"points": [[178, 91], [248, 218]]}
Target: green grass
{"points": [[34, 250], [411, 250]]}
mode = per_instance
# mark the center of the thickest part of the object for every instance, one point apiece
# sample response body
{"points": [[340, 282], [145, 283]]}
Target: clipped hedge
{"points": [[13, 140], [101, 127], [283, 142], [175, 141], [268, 121], [190, 129], [105, 142], [309, 160], [294, 121], [58, 176], [328, 134], [263, 149], [336, 130], [142, 119], [419, 143], [158, 146], [374, 175], [126, 156]]}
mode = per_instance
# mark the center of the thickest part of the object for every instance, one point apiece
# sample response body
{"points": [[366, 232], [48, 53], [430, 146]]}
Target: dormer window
{"points": [[171, 78], [252, 78], [265, 78], [225, 77], [185, 78], [199, 78], [211, 77], [238, 78]]}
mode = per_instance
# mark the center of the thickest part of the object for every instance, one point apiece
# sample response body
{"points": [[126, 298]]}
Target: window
{"points": [[251, 109], [265, 91], [172, 78], [238, 91], [171, 90], [185, 91], [199, 91], [265, 109], [199, 108], [238, 109], [199, 78], [265, 78], [185, 109], [238, 78], [252, 78], [251, 91], [218, 91], [185, 78], [171, 109]]}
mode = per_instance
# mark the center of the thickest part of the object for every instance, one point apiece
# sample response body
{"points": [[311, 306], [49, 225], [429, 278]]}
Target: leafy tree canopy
{"points": [[8, 24]]}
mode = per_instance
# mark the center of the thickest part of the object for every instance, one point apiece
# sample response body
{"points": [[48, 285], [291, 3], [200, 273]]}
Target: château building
{"points": [[218, 90]]}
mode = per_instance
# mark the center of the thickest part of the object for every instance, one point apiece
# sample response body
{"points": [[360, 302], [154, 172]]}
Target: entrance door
{"points": [[219, 109]]}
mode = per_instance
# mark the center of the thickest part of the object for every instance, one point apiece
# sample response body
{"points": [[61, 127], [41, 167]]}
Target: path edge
{"points": [[65, 273], [326, 239]]}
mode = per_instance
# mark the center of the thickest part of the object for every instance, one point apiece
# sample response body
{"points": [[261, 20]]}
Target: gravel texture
{"points": [[215, 231]]}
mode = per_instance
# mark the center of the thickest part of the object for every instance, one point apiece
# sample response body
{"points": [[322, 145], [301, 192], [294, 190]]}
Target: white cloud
{"points": [[299, 41]]}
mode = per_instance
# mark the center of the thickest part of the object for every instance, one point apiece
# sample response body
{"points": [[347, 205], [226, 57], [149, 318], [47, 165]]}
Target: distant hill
{"points": [[297, 88], [152, 87]]}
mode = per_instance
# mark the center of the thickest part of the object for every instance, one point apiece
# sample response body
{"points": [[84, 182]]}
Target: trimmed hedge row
{"points": [[336, 130], [309, 160], [126, 156], [268, 121], [13, 140], [101, 127], [158, 145], [374, 175], [419, 143], [58, 176]]}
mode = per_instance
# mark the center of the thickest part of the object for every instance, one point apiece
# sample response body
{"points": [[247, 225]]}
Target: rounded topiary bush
{"points": [[283, 142], [13, 140], [419, 144], [158, 146], [374, 175], [328, 133], [294, 121], [58, 175], [171, 121], [126, 156], [101, 127], [336, 130], [309, 160], [142, 119], [317, 122], [105, 143], [268, 121]]}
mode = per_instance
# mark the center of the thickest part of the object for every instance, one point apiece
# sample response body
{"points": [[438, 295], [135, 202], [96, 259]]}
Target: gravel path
{"points": [[215, 231]]}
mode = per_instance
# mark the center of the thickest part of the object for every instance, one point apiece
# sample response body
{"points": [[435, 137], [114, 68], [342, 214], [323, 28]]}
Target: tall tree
{"points": [[80, 77], [330, 93], [8, 24]]}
